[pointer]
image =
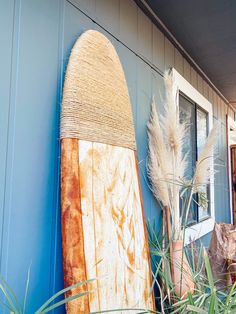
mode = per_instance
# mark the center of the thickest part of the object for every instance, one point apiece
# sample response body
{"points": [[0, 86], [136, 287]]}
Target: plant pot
{"points": [[181, 272]]}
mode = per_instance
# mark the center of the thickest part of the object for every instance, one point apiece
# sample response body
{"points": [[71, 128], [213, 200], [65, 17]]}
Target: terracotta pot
{"points": [[182, 283]]}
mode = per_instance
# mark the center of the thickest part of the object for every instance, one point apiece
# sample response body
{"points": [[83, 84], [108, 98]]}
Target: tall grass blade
{"points": [[26, 290], [66, 300], [193, 308], [9, 300], [62, 292], [11, 294], [6, 306], [229, 300], [214, 302]]}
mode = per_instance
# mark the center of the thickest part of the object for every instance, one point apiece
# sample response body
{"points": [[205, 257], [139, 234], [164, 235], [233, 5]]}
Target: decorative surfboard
{"points": [[103, 228]]}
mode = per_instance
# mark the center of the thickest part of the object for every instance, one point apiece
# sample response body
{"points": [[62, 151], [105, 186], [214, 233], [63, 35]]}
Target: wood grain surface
{"points": [[72, 225], [103, 227]]}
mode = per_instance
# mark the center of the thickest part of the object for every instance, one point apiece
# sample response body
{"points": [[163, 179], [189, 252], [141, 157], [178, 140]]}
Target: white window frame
{"points": [[202, 228]]}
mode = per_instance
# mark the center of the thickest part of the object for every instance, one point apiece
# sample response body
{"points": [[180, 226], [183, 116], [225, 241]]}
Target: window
{"points": [[197, 131], [197, 111]]}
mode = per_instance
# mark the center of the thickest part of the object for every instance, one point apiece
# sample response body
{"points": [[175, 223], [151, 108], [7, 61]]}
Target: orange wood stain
{"points": [[72, 231], [119, 236], [103, 228]]}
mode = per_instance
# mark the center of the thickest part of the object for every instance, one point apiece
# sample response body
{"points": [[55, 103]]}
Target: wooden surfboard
{"points": [[103, 228]]}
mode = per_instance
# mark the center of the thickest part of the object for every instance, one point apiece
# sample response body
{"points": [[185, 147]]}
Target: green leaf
{"points": [[193, 308], [212, 304], [213, 300], [208, 270], [26, 290], [229, 299], [11, 296], [62, 292], [9, 300], [155, 277], [66, 300], [190, 298]]}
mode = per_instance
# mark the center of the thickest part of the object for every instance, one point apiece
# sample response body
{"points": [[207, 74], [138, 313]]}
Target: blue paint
{"points": [[38, 36]]}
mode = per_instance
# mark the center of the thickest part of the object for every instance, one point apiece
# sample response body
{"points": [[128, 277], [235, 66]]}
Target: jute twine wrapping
{"points": [[96, 105]]}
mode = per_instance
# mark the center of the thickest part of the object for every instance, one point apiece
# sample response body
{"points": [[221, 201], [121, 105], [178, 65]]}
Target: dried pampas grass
{"points": [[204, 166], [174, 130], [158, 160], [166, 164], [174, 136]]}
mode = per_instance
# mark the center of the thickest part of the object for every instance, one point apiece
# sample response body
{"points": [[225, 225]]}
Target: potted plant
{"points": [[167, 173]]}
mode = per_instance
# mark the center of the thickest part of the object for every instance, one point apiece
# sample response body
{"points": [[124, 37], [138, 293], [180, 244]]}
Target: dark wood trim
{"points": [[72, 226]]}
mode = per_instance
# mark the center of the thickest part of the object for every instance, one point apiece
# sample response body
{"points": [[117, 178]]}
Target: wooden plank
{"points": [[88, 6], [169, 54], [86, 193], [107, 13], [129, 23], [179, 62], [144, 36], [158, 48], [210, 95], [193, 77], [215, 105], [72, 227], [112, 210], [200, 84], [129, 63], [205, 90], [186, 70]]}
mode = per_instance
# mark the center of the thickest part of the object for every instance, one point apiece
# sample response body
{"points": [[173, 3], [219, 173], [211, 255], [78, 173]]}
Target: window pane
{"points": [[202, 131], [187, 114]]}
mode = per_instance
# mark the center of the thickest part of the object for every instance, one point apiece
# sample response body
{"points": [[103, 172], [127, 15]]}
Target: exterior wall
{"points": [[38, 36]]}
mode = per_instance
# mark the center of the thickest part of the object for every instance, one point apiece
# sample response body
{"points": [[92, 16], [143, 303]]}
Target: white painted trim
{"points": [[197, 231], [202, 228], [231, 125]]}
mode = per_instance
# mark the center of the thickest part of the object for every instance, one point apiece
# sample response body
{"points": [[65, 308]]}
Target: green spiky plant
{"points": [[206, 298], [12, 304]]}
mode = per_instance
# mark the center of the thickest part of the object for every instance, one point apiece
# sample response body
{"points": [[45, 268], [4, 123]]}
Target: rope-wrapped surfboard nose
{"points": [[96, 104]]}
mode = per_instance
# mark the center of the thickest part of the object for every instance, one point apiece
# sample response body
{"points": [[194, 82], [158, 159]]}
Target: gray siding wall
{"points": [[135, 34], [36, 39]]}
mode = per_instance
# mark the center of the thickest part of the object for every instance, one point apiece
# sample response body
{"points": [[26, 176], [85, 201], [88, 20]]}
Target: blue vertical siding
{"points": [[36, 39], [31, 181], [6, 36]]}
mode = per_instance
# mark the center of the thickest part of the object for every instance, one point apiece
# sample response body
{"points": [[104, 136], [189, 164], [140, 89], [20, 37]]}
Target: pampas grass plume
{"points": [[204, 166], [158, 165]]}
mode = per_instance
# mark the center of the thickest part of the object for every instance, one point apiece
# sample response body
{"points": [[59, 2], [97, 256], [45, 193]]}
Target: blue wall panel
{"points": [[32, 149], [6, 37], [38, 36]]}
